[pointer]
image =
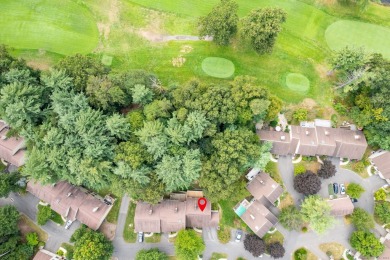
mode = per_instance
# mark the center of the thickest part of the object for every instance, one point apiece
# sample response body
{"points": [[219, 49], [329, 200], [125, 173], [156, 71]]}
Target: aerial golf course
{"points": [[46, 30]]}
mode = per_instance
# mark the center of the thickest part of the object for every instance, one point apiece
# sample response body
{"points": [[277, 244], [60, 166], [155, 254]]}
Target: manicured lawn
{"points": [[297, 82], [156, 238], [128, 232], [217, 256], [274, 237], [112, 217], [272, 169], [374, 38], [60, 26], [218, 67]]}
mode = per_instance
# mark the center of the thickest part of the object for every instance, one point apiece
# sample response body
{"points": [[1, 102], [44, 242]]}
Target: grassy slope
{"points": [[60, 26]]}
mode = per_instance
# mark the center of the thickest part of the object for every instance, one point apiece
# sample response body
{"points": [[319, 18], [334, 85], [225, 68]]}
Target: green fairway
{"points": [[59, 26], [218, 67], [374, 38], [297, 82]]}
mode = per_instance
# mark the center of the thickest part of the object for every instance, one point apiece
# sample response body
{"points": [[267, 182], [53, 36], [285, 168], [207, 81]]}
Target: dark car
{"points": [[140, 237], [354, 200], [335, 188], [238, 235]]}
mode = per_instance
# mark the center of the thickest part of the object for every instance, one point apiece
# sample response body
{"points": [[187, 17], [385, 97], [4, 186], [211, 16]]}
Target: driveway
{"points": [[27, 204]]}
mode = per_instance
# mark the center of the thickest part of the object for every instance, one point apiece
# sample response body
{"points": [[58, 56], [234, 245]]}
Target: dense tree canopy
{"points": [[220, 23], [366, 243], [290, 218], [307, 183], [276, 250], [188, 245], [382, 211], [151, 254], [89, 244], [354, 190], [316, 211], [262, 27], [254, 245], [362, 220], [8, 183]]}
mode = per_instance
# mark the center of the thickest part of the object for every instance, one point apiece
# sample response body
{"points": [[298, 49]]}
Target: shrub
{"points": [[380, 195], [382, 212], [60, 252], [362, 220], [304, 229], [354, 190], [32, 239], [276, 250], [43, 215], [300, 114], [224, 235], [273, 123], [300, 254], [327, 170], [358, 167], [254, 245], [298, 169]]}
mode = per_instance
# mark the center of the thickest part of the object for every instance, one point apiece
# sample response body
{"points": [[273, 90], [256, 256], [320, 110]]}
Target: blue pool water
{"points": [[240, 210]]}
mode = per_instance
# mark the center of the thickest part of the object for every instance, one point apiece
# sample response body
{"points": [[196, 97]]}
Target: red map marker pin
{"points": [[202, 202]]}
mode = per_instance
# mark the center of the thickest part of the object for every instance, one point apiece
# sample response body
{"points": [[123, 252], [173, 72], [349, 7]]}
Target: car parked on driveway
{"points": [[335, 188], [140, 237], [238, 235], [342, 189], [68, 223]]}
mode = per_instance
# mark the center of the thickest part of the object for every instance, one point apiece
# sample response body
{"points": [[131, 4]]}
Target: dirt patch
{"points": [[322, 71], [26, 225], [39, 65], [286, 201], [150, 35], [108, 229], [308, 103], [186, 49], [335, 249], [113, 17]]}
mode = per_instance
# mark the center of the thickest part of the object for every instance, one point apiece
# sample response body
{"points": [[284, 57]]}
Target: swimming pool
{"points": [[240, 210]]}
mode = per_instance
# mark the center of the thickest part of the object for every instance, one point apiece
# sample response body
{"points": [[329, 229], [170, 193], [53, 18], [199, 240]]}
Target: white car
{"points": [[342, 189], [68, 223]]}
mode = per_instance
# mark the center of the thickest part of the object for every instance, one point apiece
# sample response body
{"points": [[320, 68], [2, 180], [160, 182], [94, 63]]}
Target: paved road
{"points": [[27, 204], [286, 170]]}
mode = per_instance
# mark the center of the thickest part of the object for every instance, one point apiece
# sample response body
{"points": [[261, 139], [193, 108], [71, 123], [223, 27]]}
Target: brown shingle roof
{"points": [[11, 149], [386, 253], [281, 141], [341, 206], [382, 163], [264, 185], [43, 254], [165, 218], [72, 202], [259, 219], [318, 140]]}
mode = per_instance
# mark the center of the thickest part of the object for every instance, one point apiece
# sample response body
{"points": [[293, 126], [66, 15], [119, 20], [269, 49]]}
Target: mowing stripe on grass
{"points": [[59, 26], [374, 38], [218, 67], [297, 82]]}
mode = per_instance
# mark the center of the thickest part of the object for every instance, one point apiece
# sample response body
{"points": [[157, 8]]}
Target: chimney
{"points": [[150, 211], [282, 138], [70, 193], [262, 182], [252, 217], [3, 137], [326, 132], [307, 132], [95, 209], [357, 137], [176, 209]]}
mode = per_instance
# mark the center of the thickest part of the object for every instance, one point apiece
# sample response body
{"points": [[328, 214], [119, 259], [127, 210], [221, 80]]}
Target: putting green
{"points": [[297, 82], [60, 26], [218, 67], [374, 38]]}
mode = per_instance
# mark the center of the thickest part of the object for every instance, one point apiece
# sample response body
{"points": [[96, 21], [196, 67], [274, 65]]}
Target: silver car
{"points": [[140, 237], [68, 223], [342, 189], [238, 235]]}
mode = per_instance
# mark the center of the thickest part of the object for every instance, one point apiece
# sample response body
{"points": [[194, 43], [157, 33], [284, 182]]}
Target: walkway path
{"points": [[155, 37]]}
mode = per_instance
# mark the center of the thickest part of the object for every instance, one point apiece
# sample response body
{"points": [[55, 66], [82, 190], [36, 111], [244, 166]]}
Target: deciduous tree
{"points": [[366, 243], [362, 220], [220, 23], [254, 245], [382, 211], [262, 27], [188, 245], [327, 170], [354, 190], [276, 250], [142, 95], [92, 245], [291, 218], [316, 211], [307, 183], [8, 183], [151, 254]]}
